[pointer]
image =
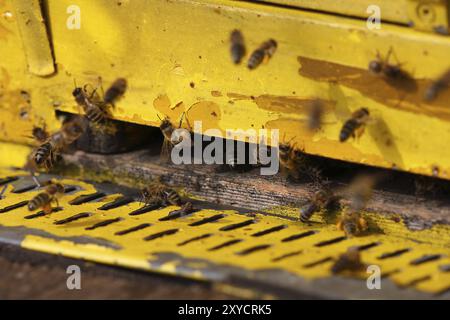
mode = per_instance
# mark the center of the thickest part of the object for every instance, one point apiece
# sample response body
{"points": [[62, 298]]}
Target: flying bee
{"points": [[355, 125], [359, 192], [352, 223], [46, 154], [348, 261], [265, 51], [237, 48], [115, 91], [315, 115], [44, 199], [167, 129], [94, 109], [320, 200], [437, 86], [393, 74], [157, 192]]}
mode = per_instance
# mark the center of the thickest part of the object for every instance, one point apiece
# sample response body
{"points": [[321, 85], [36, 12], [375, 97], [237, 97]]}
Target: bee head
{"points": [[375, 66], [77, 91]]}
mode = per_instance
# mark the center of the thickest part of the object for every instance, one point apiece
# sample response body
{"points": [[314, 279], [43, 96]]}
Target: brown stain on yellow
{"points": [[404, 95], [291, 104], [208, 111], [291, 129], [215, 93]]}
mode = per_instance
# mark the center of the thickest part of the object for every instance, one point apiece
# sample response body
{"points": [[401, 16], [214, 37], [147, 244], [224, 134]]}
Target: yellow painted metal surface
{"points": [[173, 65], [196, 248]]}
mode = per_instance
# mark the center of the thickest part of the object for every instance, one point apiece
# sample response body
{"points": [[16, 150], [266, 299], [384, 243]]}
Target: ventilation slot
{"points": [[393, 254], [237, 225], [161, 234], [25, 188], [42, 213], [8, 180], [287, 255], [69, 189], [14, 206], [103, 223], [73, 218], [177, 214], [225, 244], [145, 209], [330, 242], [424, 259], [267, 231], [204, 236], [316, 263], [299, 236], [253, 249], [121, 201], [208, 220], [368, 246], [87, 198], [133, 229], [445, 268]]}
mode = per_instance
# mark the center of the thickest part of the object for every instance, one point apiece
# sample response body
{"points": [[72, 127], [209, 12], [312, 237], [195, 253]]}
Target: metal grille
{"points": [[215, 244]]}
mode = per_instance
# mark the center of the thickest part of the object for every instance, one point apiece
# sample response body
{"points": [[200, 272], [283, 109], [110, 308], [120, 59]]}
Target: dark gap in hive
{"points": [[177, 214], [253, 249], [194, 239], [330, 242], [14, 206], [73, 218], [208, 220], [119, 202], [270, 230], [287, 255], [87, 198], [237, 225], [299, 236], [393, 254], [225, 244], [160, 234], [424, 259], [145, 209], [103, 223], [318, 262], [133, 229], [42, 213]]}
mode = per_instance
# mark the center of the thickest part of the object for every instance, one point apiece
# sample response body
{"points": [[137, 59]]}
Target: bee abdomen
{"points": [[256, 58], [173, 197], [348, 129], [117, 89], [307, 211], [95, 115], [350, 228], [42, 153], [38, 201]]}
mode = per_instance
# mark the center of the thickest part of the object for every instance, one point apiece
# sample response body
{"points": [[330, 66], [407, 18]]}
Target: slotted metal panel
{"points": [[220, 245]]}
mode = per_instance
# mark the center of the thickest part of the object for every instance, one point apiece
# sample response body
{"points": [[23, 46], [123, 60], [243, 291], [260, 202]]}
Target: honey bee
{"points": [[348, 261], [355, 125], [359, 192], [167, 129], [437, 86], [320, 200], [46, 154], [237, 48], [393, 74], [265, 51], [158, 193], [44, 199], [115, 91], [94, 109], [186, 209], [352, 223], [315, 115]]}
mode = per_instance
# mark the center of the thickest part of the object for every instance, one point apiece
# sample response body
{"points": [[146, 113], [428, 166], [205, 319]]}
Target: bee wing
{"points": [[166, 150]]}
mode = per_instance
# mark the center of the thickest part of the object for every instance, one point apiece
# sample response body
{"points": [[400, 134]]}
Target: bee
{"points": [[158, 193], [320, 200], [355, 125], [46, 154], [393, 74], [115, 91], [437, 86], [94, 109], [315, 116], [359, 192], [237, 48], [167, 129], [265, 51], [186, 209], [352, 223], [44, 199], [348, 261]]}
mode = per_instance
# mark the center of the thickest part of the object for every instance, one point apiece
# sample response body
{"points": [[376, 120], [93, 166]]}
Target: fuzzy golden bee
{"points": [[157, 192], [115, 91], [319, 201], [46, 154], [45, 199], [315, 115], [94, 109], [237, 48], [355, 125], [264, 52], [348, 261], [352, 223], [167, 129]]}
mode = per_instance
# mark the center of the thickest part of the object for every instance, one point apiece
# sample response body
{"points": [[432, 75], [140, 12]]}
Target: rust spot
{"points": [[216, 93], [404, 95], [192, 85]]}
